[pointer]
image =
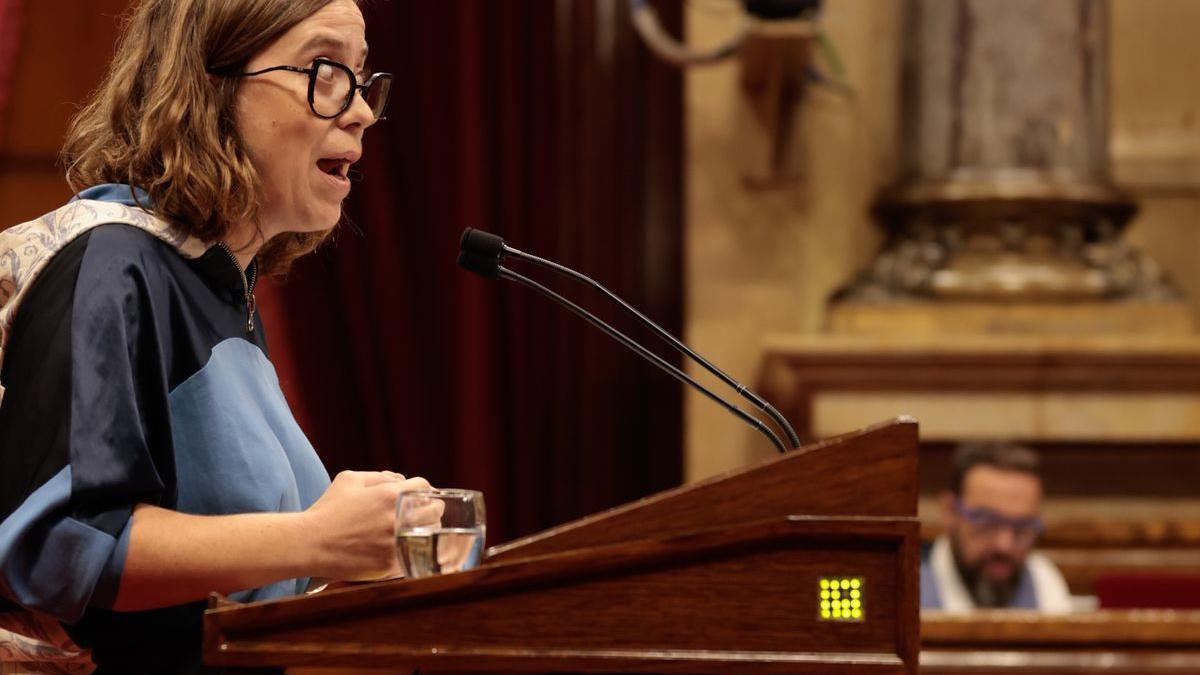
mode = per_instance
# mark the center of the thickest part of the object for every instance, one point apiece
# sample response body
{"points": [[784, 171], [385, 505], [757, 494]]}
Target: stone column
{"points": [[1005, 195]]}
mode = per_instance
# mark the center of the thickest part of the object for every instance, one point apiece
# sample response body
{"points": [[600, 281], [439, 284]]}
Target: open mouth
{"points": [[338, 168]]}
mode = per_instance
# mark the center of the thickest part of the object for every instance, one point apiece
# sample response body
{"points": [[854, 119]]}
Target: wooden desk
{"points": [[1098, 389], [1116, 418], [1141, 641]]}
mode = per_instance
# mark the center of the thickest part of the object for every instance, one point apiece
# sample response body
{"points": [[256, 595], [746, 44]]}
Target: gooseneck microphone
{"points": [[481, 252]]}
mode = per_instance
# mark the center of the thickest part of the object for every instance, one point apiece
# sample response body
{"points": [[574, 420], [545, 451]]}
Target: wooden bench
{"points": [[1108, 642]]}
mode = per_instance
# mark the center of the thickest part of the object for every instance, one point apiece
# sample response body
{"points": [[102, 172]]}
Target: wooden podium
{"points": [[725, 575]]}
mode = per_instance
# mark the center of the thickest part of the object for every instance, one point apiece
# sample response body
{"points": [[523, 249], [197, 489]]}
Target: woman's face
{"points": [[303, 159]]}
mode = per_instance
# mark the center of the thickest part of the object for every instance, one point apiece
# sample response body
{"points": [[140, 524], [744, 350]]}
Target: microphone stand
{"points": [[740, 388], [505, 273]]}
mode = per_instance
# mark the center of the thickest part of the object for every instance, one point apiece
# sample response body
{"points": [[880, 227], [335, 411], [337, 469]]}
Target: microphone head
{"points": [[480, 252], [484, 266], [482, 243]]}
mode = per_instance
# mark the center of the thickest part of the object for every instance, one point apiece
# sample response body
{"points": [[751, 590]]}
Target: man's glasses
{"points": [[989, 523], [332, 85]]}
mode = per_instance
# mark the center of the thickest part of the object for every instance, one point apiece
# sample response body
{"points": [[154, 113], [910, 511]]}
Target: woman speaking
{"points": [[147, 454]]}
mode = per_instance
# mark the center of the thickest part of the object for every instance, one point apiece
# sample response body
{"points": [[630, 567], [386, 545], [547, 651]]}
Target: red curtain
{"points": [[10, 31], [548, 123]]}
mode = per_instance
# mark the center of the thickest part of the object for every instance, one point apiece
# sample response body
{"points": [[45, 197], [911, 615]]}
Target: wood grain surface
{"points": [[744, 596], [1112, 642], [861, 473], [721, 576]]}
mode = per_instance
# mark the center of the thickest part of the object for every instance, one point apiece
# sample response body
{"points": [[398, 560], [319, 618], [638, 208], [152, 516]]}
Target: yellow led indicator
{"points": [[841, 598]]}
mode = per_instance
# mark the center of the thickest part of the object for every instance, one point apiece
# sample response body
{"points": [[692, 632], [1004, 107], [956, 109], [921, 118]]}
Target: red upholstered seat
{"points": [[1148, 591]]}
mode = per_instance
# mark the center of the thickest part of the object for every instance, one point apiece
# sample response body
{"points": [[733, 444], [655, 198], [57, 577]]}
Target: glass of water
{"points": [[439, 531]]}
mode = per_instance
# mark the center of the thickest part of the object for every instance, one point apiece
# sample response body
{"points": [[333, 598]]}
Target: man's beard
{"points": [[987, 593]]}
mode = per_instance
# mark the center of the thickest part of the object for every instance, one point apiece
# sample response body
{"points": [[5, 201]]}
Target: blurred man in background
{"points": [[984, 557]]}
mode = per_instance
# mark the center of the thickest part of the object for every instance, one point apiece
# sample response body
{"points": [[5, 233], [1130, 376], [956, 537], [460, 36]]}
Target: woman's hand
{"points": [[175, 557], [353, 525]]}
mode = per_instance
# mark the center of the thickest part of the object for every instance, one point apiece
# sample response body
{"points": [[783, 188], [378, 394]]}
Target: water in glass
{"points": [[439, 531]]}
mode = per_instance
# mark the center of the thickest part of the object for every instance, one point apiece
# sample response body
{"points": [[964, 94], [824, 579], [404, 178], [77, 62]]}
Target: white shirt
{"points": [[1049, 587]]}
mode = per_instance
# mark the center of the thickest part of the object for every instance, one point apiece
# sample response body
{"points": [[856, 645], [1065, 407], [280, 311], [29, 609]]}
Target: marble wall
{"points": [[763, 260]]}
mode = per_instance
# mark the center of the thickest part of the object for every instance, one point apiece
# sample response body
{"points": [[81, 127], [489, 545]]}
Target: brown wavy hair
{"points": [[160, 122]]}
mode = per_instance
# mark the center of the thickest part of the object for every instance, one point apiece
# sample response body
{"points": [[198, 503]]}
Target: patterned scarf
{"points": [[26, 249]]}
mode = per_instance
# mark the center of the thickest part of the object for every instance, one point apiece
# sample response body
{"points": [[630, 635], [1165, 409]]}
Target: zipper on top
{"points": [[247, 285]]}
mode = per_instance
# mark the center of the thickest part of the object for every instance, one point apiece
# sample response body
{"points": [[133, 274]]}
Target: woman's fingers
{"points": [[415, 484], [428, 513], [372, 478], [354, 522]]}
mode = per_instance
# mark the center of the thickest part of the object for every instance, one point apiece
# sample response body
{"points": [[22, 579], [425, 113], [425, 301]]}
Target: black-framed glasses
{"points": [[989, 523], [332, 85]]}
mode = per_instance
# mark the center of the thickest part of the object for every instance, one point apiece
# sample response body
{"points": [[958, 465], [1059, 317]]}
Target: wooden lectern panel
{"points": [[864, 473], [745, 596], [720, 576]]}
